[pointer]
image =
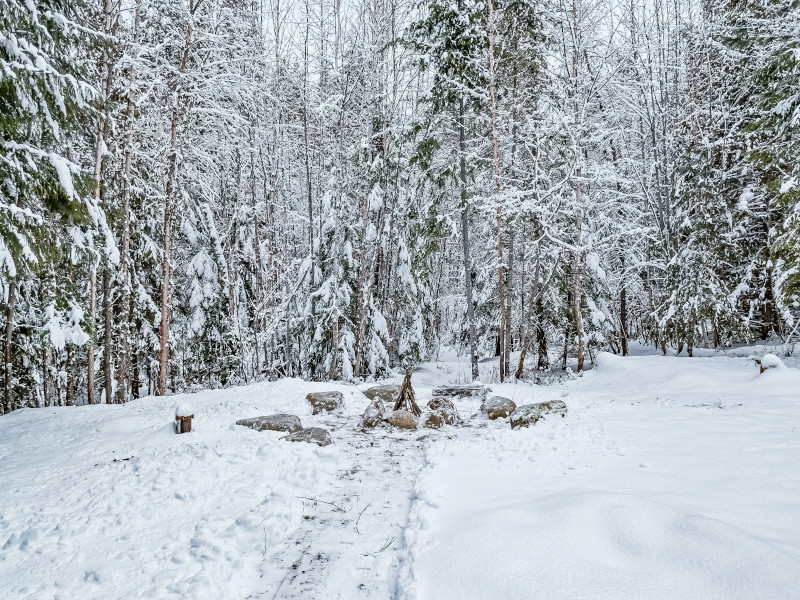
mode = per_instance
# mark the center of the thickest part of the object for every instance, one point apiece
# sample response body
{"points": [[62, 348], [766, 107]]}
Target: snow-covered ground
{"points": [[670, 477]]}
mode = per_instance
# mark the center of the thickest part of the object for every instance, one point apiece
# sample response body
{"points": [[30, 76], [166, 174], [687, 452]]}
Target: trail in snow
{"points": [[669, 477]]}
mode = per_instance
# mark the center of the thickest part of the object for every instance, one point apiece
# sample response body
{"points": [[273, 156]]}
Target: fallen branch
{"points": [[339, 508], [359, 516]]}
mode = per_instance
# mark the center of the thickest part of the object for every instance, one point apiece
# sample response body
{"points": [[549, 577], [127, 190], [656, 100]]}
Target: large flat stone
{"points": [[310, 435], [529, 414], [280, 422], [387, 393]]}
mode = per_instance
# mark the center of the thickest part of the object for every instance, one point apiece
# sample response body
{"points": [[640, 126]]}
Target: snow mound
{"points": [[184, 409], [770, 361]]}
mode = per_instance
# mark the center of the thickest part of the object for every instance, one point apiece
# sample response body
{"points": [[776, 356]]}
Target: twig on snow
{"points": [[339, 508], [359, 516]]}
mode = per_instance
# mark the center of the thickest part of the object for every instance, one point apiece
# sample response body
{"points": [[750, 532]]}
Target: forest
{"points": [[205, 193]]}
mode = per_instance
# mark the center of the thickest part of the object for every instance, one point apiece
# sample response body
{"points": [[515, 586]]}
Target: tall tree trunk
{"points": [[163, 354], [108, 382], [623, 320], [577, 255], [9, 354], [123, 358], [499, 208], [473, 337]]}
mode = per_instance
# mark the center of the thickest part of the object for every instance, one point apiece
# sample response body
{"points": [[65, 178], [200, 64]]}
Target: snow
{"points": [[184, 409], [770, 361], [669, 477]]}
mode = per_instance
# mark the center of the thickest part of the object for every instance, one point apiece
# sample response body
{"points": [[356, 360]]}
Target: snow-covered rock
{"points": [[498, 407], [325, 401], [387, 393], [529, 414], [280, 422], [439, 403], [375, 414], [310, 435], [403, 419], [436, 419]]}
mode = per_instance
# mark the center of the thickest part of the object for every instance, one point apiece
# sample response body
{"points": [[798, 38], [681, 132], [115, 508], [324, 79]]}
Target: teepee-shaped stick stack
{"points": [[406, 399]]}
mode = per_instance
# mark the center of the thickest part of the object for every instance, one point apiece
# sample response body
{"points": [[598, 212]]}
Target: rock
{"points": [[375, 414], [387, 393], [434, 420], [441, 416], [310, 435], [438, 403], [403, 419], [471, 390], [498, 407], [289, 423], [529, 414], [325, 401]]}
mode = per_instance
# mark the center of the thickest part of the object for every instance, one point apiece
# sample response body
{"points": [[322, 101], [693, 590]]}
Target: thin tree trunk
{"points": [[107, 344], [499, 207], [123, 358], [473, 337], [163, 355], [9, 370]]}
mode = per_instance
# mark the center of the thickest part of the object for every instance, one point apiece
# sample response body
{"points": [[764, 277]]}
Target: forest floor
{"points": [[670, 477]]}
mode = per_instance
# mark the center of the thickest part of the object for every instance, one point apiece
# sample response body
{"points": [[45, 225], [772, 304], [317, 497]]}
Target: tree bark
{"points": [[9, 369], [123, 358], [163, 355], [473, 338]]}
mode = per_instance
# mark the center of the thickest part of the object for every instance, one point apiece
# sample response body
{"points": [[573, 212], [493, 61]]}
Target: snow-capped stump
{"points": [[325, 401], [498, 407], [469, 390], [184, 413], [310, 435], [387, 393], [403, 419], [529, 414], [770, 361], [280, 422], [375, 414]]}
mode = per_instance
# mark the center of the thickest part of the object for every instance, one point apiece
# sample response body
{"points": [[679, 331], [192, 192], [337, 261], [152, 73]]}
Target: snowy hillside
{"points": [[668, 478]]}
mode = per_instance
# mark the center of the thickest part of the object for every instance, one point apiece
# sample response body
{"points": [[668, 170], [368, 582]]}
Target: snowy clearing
{"points": [[668, 478]]}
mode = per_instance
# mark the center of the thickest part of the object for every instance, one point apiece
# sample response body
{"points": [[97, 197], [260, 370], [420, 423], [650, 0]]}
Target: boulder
{"points": [[325, 401], [498, 407], [375, 414], [387, 393], [441, 403], [529, 414], [288, 423], [310, 435], [470, 390], [403, 419], [441, 416]]}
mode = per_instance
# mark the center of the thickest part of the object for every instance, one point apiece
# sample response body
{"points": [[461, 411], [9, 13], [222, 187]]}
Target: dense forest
{"points": [[202, 193]]}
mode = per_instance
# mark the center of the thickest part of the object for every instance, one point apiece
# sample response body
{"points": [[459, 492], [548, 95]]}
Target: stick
{"points": [[359, 516], [339, 508]]}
